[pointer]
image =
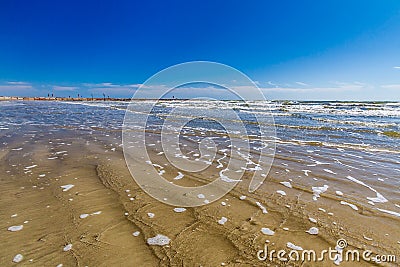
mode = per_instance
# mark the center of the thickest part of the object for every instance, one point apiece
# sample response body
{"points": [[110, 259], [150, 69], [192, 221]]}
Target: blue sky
{"points": [[306, 50]]}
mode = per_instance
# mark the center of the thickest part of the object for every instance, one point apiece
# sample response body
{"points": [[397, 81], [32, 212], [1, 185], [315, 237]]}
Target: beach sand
{"points": [[79, 206]]}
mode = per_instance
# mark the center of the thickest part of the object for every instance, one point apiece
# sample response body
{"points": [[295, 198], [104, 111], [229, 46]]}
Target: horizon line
{"points": [[36, 98]]}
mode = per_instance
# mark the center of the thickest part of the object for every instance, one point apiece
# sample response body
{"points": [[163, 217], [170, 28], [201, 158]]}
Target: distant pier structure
{"points": [[56, 98], [80, 98]]}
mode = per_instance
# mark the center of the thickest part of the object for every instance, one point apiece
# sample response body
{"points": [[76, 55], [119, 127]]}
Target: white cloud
{"points": [[272, 92], [391, 86], [338, 91], [65, 88], [17, 90], [104, 84], [107, 84], [339, 87], [335, 90], [14, 87], [18, 83], [273, 84], [301, 83], [112, 91], [396, 67]]}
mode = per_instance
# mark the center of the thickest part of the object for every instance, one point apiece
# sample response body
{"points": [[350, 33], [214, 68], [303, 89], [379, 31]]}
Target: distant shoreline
{"points": [[83, 99], [9, 98]]}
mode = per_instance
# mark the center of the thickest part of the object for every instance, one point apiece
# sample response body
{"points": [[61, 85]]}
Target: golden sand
{"points": [[108, 219]]}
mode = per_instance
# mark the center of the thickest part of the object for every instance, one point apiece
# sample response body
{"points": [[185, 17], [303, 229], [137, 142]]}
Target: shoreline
{"points": [[117, 99]]}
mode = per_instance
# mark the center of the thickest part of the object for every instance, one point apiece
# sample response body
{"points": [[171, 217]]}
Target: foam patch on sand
{"points": [[220, 165], [137, 233], [287, 184], [339, 193], [158, 240], [67, 247], [281, 192], [293, 246], [313, 231], [339, 256], [179, 176], [264, 210], [223, 220], [179, 210], [225, 178], [18, 258], [378, 199], [267, 231], [30, 167], [312, 220], [67, 187], [389, 212], [317, 190], [15, 228], [85, 215], [354, 207]]}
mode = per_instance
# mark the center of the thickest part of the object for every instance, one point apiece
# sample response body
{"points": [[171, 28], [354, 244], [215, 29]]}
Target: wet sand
{"points": [[108, 219]]}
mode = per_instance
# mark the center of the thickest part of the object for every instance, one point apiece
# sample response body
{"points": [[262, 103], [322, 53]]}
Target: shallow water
{"points": [[324, 141]]}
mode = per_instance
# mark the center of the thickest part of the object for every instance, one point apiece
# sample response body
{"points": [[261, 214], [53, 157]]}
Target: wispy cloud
{"points": [[112, 91], [340, 86], [103, 84], [301, 83], [247, 92], [334, 90], [18, 83], [391, 86], [65, 88], [15, 87], [272, 84], [17, 90], [396, 67]]}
